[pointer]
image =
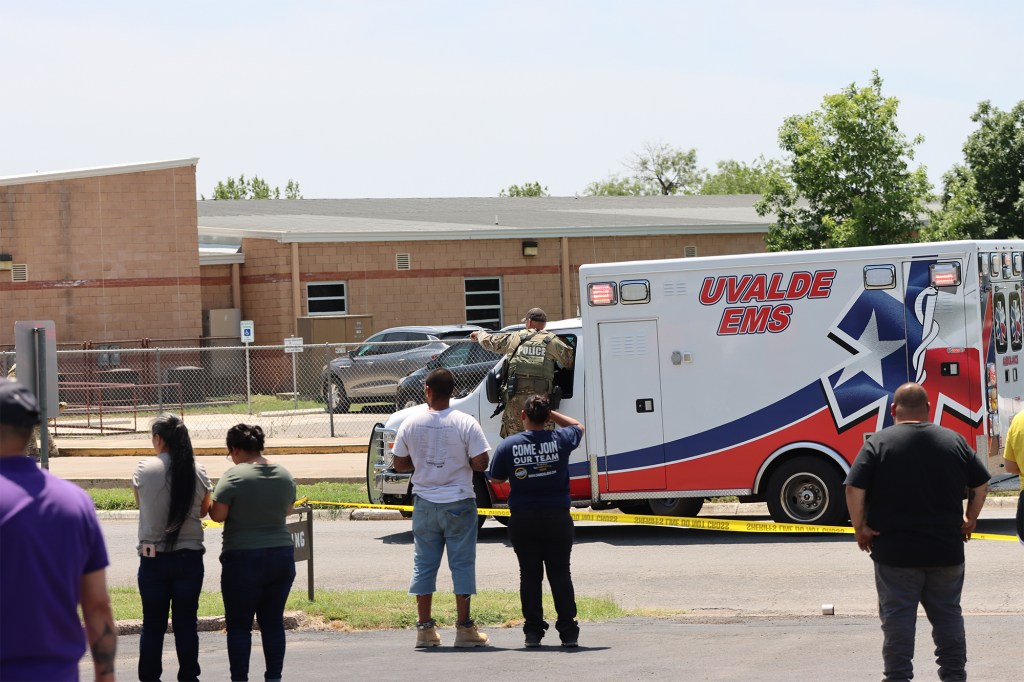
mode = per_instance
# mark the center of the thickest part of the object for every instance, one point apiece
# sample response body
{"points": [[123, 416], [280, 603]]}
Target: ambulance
{"points": [[760, 376]]}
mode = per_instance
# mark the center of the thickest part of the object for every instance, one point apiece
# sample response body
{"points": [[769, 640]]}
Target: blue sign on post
{"points": [[248, 330]]}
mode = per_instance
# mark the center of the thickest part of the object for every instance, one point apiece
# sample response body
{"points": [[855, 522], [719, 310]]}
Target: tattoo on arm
{"points": [[104, 650]]}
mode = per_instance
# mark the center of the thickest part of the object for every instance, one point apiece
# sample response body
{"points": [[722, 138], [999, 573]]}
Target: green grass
{"points": [[114, 499], [384, 609], [334, 492], [260, 403]]}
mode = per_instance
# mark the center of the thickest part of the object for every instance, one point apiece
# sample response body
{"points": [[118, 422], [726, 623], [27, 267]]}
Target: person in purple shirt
{"points": [[536, 465], [52, 559]]}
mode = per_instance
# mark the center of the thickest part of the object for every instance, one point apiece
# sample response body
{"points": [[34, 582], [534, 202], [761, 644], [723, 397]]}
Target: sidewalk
{"points": [[142, 447], [109, 463]]}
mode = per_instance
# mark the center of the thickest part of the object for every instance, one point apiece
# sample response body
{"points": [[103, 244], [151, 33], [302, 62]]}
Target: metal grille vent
{"points": [[628, 345], [676, 288], [403, 261], [19, 272], [689, 252]]}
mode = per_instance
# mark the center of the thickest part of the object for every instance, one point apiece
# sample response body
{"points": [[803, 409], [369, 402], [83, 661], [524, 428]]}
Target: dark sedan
{"points": [[467, 360]]}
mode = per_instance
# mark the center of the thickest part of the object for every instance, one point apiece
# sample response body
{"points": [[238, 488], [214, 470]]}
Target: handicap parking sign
{"points": [[248, 331]]}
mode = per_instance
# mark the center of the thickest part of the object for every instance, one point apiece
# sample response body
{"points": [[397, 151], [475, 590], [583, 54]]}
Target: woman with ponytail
{"points": [[536, 465], [253, 499], [173, 494]]}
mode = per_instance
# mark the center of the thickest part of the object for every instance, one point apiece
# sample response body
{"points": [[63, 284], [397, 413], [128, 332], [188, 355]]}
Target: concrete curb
{"points": [[292, 621], [348, 514]]}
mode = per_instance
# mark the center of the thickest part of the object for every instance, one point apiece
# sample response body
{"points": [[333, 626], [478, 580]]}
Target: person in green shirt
{"points": [[253, 499]]}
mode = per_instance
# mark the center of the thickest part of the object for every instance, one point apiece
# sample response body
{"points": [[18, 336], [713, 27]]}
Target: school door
{"points": [[634, 456]]}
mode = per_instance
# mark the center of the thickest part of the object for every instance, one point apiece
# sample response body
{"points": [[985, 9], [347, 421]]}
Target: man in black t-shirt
{"points": [[905, 494]]}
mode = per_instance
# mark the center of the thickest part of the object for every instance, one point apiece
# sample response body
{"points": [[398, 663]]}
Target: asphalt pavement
{"points": [[696, 646], [730, 649]]}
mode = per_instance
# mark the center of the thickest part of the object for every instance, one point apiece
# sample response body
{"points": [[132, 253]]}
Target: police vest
{"points": [[530, 360]]}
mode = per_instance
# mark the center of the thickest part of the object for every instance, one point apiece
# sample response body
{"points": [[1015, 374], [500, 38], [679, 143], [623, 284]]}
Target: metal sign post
{"points": [[302, 538], [248, 332], [35, 343], [293, 345]]}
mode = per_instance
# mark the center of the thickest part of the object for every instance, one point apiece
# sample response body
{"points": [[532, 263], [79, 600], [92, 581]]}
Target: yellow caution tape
{"points": [[730, 525]]}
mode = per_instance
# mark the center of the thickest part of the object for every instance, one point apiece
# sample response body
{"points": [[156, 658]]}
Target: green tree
{"points": [[254, 188], [665, 170], [962, 215], [736, 177], [850, 183], [658, 169], [615, 186], [994, 153], [528, 189], [291, 190]]}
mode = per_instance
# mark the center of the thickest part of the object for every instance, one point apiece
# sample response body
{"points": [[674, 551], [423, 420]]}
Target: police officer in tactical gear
{"points": [[531, 355]]}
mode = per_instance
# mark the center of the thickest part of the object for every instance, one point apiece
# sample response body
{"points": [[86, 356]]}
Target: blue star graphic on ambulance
{"points": [[887, 333], [890, 335]]}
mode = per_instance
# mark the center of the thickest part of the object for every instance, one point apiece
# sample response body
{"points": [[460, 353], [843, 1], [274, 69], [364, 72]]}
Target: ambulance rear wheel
{"points": [[676, 506], [807, 490]]}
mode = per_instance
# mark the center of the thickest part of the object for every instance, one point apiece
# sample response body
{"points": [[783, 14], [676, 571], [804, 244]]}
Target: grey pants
{"points": [[938, 588]]}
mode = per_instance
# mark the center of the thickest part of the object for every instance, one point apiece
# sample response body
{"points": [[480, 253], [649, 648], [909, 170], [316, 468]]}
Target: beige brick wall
{"points": [[109, 258], [123, 264], [432, 292], [216, 287]]}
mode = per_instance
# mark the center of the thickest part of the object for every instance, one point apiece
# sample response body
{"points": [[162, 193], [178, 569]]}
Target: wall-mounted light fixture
{"points": [[529, 248], [6, 261]]}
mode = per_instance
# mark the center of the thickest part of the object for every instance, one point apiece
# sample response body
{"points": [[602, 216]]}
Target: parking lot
{"points": [[709, 605]]}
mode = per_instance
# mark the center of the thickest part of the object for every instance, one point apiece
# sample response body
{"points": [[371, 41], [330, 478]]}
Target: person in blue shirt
{"points": [[536, 464]]}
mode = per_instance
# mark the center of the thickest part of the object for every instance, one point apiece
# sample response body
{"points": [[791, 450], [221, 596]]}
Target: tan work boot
{"points": [[426, 635], [467, 636]]}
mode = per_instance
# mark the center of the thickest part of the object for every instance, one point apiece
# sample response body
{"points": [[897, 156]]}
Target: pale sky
{"points": [[446, 98]]}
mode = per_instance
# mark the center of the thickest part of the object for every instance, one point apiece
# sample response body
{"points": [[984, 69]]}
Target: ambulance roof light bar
{"points": [[602, 293]]}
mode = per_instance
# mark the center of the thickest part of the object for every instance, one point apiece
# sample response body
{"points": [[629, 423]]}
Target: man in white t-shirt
{"points": [[443, 447]]}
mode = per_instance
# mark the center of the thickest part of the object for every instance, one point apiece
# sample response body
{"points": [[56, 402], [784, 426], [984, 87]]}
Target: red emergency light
{"points": [[601, 293], [945, 274]]}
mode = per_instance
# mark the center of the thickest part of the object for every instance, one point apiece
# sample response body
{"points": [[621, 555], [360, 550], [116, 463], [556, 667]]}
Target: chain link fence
{"points": [[309, 391]]}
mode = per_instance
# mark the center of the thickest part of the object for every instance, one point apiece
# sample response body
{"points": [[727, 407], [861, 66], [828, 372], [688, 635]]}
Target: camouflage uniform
{"points": [[32, 449], [556, 351]]}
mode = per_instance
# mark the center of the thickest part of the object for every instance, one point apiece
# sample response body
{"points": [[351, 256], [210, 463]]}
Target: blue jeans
{"points": [[938, 588], [256, 582], [437, 526], [170, 579]]}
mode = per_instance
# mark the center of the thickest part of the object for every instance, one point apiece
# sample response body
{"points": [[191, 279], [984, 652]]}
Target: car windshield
{"points": [[457, 355]]}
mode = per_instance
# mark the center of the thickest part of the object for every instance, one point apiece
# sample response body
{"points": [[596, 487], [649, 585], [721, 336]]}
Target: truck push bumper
{"points": [[394, 483], [381, 478]]}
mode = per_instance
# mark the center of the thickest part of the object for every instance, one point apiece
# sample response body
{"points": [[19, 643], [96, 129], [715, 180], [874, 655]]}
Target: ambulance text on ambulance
{"points": [[741, 291]]}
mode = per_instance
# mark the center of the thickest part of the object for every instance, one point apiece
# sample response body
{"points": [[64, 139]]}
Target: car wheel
{"points": [[676, 506], [337, 399], [807, 490]]}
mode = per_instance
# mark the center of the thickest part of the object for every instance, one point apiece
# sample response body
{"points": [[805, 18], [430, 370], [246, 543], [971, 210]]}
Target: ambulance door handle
{"points": [[644, 405]]}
